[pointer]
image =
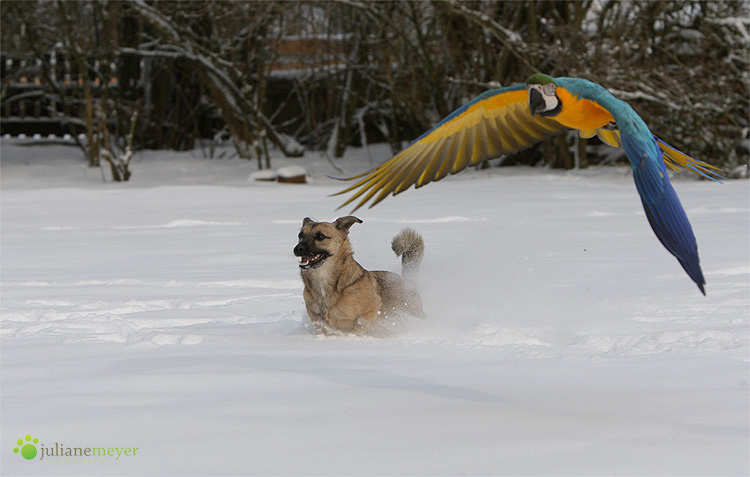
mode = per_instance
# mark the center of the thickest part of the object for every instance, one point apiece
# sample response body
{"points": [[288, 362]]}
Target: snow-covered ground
{"points": [[166, 315]]}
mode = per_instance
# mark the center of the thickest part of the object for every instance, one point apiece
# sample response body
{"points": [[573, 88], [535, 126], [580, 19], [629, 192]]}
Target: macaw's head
{"points": [[542, 98]]}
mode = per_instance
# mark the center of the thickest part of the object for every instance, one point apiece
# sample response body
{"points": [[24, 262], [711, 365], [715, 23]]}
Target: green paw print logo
{"points": [[26, 447]]}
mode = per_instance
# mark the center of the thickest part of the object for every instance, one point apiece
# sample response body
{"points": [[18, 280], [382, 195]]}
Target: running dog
{"points": [[340, 295]]}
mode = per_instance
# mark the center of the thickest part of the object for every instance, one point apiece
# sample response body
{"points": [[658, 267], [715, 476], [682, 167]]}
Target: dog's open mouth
{"points": [[313, 261]]}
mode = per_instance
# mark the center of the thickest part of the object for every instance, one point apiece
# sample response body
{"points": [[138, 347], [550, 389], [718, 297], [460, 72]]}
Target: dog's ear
{"points": [[307, 220], [345, 223]]}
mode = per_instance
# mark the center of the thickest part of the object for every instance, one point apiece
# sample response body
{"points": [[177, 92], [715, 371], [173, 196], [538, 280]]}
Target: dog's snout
{"points": [[300, 249]]}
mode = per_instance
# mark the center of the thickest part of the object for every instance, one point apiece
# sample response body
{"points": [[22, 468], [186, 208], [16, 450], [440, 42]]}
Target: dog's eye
{"points": [[320, 236]]}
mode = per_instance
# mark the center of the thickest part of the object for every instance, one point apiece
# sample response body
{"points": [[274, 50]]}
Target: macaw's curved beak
{"points": [[536, 101]]}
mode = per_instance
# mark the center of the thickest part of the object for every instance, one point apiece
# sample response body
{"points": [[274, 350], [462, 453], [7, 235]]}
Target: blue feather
{"points": [[671, 225], [660, 202]]}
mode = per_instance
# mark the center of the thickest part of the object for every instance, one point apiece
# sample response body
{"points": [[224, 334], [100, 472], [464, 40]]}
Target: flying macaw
{"points": [[507, 120]]}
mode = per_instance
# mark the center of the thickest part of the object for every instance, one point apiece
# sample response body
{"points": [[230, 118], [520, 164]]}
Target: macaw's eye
{"points": [[320, 236], [549, 89]]}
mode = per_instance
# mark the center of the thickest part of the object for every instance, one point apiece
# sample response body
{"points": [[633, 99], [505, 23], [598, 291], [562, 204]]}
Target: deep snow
{"points": [[166, 314]]}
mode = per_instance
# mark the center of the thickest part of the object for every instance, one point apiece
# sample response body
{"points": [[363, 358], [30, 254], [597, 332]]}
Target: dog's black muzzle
{"points": [[301, 249], [307, 258]]}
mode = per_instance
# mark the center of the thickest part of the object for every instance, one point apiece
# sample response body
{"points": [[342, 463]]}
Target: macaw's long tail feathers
{"points": [[671, 225], [674, 158]]}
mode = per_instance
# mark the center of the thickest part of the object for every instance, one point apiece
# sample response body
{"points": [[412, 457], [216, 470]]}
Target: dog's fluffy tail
{"points": [[408, 245]]}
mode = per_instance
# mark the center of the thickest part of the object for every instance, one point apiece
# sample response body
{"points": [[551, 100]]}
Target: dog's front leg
{"points": [[316, 319], [330, 323], [352, 314]]}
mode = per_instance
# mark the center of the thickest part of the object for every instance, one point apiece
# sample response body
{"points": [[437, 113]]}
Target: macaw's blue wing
{"points": [[663, 209], [661, 204], [669, 222]]}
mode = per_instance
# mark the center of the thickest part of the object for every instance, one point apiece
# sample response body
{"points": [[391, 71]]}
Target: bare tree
{"points": [[332, 74]]}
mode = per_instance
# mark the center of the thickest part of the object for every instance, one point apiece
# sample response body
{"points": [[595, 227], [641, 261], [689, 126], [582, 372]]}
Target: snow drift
{"points": [[167, 315]]}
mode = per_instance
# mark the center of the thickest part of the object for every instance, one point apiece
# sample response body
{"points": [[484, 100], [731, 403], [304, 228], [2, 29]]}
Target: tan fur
{"points": [[340, 295]]}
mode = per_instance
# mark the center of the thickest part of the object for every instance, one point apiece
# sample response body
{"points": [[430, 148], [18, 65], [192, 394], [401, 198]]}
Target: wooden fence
{"points": [[30, 105]]}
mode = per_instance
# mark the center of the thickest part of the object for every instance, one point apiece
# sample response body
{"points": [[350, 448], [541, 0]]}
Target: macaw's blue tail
{"points": [[671, 225]]}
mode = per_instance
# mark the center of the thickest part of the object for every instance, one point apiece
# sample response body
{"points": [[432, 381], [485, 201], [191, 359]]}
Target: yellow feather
{"points": [[434, 164], [506, 136], [409, 175], [673, 158], [464, 152], [481, 150], [497, 125], [609, 136], [455, 149]]}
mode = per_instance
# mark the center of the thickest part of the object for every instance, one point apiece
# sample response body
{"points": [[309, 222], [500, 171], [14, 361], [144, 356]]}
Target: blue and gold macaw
{"points": [[507, 120]]}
